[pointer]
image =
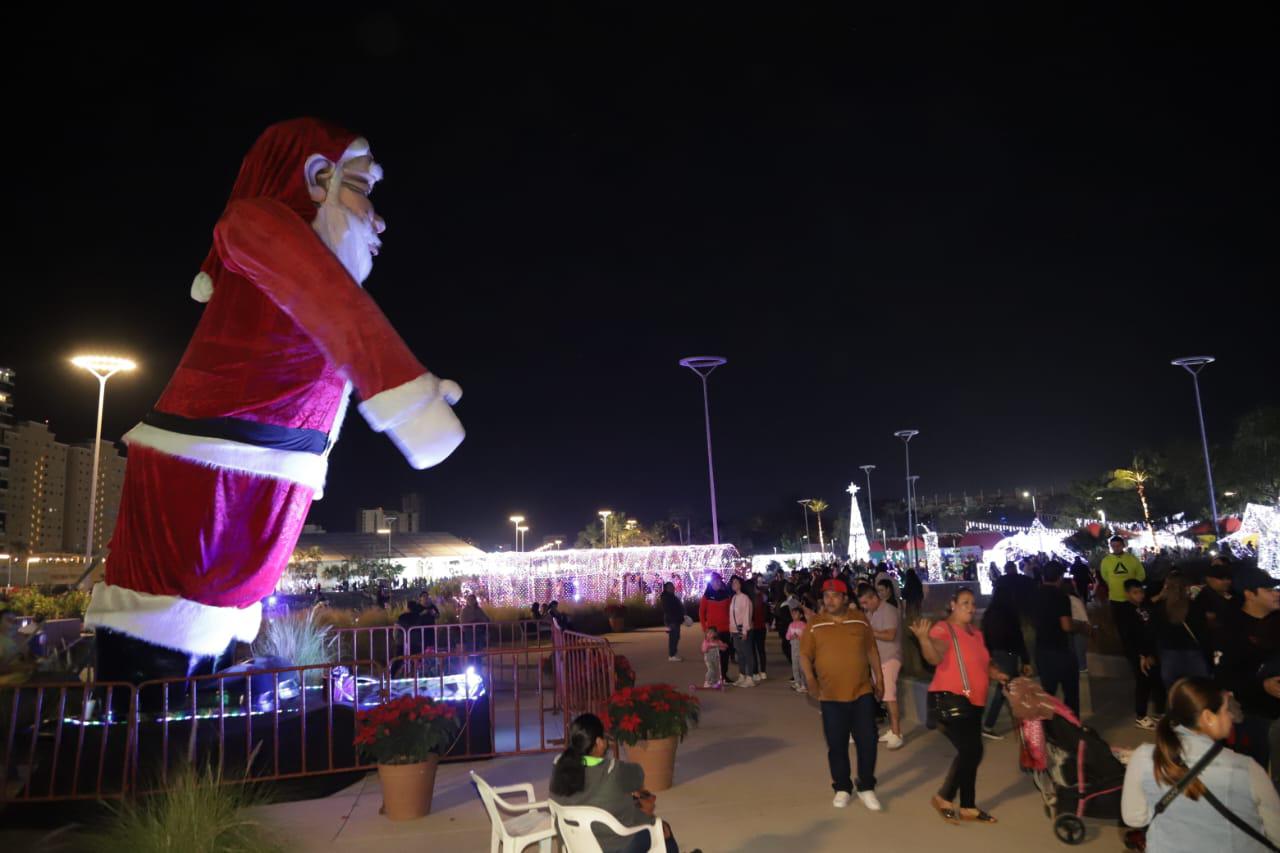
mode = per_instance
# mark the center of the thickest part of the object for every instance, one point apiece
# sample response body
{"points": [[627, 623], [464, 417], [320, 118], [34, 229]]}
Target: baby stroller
{"points": [[1076, 771]]}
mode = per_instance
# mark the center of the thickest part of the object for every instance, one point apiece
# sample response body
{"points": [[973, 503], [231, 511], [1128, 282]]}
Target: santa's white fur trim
{"points": [[170, 621], [394, 406], [307, 469], [202, 287]]}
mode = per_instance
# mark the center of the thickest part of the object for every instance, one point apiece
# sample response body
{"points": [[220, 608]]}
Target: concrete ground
{"points": [[752, 778]]}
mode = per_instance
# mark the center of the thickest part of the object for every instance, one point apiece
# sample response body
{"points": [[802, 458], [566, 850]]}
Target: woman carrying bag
{"points": [[957, 696], [1196, 795]]}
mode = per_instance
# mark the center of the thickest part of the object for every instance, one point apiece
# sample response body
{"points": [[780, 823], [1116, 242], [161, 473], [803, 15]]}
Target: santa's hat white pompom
{"points": [[202, 287]]}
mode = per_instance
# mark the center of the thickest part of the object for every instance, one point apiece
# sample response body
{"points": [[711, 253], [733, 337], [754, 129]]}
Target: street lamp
{"points": [[387, 532], [1193, 364], [915, 516], [604, 520], [559, 542], [30, 560], [1034, 511], [516, 519], [520, 532], [871, 512], [703, 365], [103, 367], [906, 435], [805, 503]]}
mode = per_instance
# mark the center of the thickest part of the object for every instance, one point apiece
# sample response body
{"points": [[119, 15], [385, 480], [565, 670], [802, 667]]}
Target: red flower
{"points": [[630, 723], [661, 706]]}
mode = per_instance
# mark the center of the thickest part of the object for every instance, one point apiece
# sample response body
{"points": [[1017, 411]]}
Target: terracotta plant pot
{"points": [[616, 624], [658, 758], [407, 788]]}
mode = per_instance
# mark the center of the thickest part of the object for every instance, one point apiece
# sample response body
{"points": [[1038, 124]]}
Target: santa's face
{"points": [[346, 220]]}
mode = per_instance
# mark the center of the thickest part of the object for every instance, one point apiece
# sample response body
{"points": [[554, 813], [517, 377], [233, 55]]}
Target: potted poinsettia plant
{"points": [[623, 673], [617, 614], [650, 721], [406, 738]]}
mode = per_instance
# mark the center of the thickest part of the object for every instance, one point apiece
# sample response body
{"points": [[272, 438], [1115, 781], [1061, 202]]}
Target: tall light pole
{"points": [[1034, 511], [703, 365], [604, 521], [387, 531], [871, 513], [516, 519], [805, 503], [1193, 364], [520, 532], [906, 435], [30, 560], [103, 367], [915, 517]]}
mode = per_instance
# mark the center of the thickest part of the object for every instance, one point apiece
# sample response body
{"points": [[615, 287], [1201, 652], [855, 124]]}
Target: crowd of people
{"points": [[1202, 640]]}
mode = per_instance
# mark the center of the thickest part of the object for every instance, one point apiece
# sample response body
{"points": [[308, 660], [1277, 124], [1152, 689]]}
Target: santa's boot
{"points": [[122, 658]]}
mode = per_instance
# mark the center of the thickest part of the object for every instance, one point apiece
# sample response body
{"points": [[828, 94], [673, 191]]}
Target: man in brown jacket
{"points": [[838, 654]]}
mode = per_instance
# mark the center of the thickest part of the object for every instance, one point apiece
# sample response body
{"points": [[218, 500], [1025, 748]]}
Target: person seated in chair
{"points": [[585, 775]]}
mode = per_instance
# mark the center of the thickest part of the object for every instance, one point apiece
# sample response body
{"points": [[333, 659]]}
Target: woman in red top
{"points": [[938, 644]]}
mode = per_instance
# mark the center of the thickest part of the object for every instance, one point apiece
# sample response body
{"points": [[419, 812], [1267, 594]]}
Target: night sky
{"points": [[997, 230]]}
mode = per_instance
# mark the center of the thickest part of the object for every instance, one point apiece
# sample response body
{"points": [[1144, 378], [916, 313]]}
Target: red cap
{"points": [[836, 584]]}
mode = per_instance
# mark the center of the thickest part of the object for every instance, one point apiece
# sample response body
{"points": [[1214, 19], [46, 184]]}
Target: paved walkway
{"points": [[752, 778]]}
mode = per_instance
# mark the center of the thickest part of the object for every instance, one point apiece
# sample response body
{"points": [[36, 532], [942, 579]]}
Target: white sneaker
{"points": [[744, 682], [676, 659], [757, 678], [762, 676], [802, 690], [870, 800], [893, 741], [884, 736], [841, 800], [1146, 723], [990, 734]]}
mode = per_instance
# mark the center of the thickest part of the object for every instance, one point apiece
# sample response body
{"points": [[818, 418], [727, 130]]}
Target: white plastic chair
{"points": [[533, 824], [574, 826]]}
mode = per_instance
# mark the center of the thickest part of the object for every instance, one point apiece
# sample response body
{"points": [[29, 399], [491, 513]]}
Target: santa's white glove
{"points": [[419, 418]]}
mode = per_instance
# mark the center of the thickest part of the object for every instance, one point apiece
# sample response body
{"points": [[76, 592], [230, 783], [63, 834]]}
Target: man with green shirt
{"points": [[1118, 567]]}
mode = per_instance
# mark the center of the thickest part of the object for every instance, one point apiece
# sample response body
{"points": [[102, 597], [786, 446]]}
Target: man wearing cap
{"points": [[841, 663], [1213, 608], [1247, 667]]}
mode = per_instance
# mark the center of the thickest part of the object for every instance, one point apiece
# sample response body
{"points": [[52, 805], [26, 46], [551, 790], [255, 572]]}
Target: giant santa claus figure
{"points": [[222, 471]]}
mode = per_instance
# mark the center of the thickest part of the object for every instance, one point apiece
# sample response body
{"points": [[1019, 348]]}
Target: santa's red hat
{"points": [[275, 168]]}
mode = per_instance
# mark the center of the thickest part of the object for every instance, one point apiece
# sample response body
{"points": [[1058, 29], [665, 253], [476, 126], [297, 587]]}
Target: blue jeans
{"points": [[1058, 667], [1179, 663], [745, 653], [1006, 662], [839, 721], [640, 844]]}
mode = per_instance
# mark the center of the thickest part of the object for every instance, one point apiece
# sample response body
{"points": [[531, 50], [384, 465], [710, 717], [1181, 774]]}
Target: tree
{"points": [[624, 532], [1136, 478], [306, 562], [1253, 466], [818, 507]]}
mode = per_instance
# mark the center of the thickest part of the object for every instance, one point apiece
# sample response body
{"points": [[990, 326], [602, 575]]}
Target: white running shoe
{"points": [[893, 741], [1146, 723], [884, 737], [802, 690], [841, 800], [676, 659], [744, 682], [762, 676], [757, 678], [870, 800], [707, 684], [990, 734]]}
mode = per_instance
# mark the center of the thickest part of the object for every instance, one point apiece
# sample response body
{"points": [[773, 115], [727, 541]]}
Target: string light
{"points": [[587, 574], [1262, 523]]}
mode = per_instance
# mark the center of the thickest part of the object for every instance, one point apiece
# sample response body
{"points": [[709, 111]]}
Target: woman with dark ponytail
{"points": [[1199, 714], [585, 776]]}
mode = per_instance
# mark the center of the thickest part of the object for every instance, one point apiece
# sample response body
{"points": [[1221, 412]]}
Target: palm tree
{"points": [[1137, 478], [819, 506]]}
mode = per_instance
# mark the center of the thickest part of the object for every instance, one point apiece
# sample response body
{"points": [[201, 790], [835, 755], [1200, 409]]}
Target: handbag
{"points": [[945, 706]]}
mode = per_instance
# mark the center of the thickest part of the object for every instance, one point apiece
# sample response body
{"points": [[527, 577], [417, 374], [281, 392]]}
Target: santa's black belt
{"points": [[245, 432]]}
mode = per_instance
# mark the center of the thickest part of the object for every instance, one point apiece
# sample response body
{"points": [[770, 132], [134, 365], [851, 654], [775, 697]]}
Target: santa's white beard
{"points": [[349, 238]]}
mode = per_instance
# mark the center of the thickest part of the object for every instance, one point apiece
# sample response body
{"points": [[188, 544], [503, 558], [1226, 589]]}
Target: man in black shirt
{"points": [[1055, 657], [1250, 647], [1213, 608], [1137, 632]]}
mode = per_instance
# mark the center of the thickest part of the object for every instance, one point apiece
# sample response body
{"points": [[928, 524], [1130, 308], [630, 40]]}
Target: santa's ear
{"points": [[316, 171]]}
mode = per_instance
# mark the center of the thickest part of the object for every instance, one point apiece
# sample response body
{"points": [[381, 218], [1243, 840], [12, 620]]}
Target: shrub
{"points": [[195, 813], [300, 638], [651, 712], [406, 730]]}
